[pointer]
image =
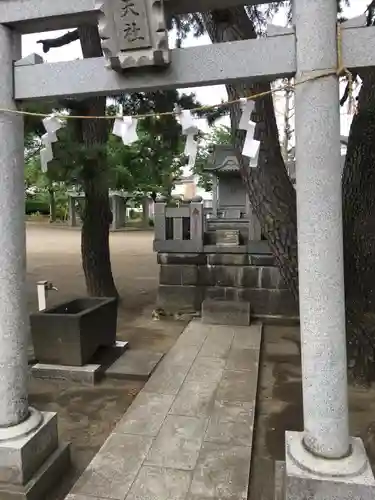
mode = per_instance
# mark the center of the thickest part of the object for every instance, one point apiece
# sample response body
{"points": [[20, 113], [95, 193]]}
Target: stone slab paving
{"points": [[188, 435], [279, 492], [137, 364]]}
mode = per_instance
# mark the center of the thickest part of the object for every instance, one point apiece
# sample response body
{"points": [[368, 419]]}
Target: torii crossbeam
{"points": [[263, 59]]}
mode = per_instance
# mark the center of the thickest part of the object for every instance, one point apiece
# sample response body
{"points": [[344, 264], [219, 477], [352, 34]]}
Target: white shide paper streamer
{"points": [[247, 108], [187, 122], [51, 124], [126, 129], [251, 146], [189, 129], [191, 147]]}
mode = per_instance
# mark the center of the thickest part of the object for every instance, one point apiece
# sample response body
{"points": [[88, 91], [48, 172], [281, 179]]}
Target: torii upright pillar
{"points": [[323, 462], [28, 438]]}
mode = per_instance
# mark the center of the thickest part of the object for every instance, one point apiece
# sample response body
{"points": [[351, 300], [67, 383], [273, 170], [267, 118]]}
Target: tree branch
{"points": [[91, 47], [346, 95], [52, 43], [90, 41], [370, 13]]}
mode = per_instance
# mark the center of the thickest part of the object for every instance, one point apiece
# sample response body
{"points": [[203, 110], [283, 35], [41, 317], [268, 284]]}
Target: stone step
{"points": [[226, 312], [134, 365], [227, 225], [88, 374], [45, 479], [227, 237], [264, 302]]}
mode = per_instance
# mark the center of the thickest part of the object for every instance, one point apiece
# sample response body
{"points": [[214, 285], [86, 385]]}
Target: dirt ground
{"points": [[87, 415], [279, 408], [53, 253]]}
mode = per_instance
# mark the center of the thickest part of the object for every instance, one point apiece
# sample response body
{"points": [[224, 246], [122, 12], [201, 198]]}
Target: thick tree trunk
{"points": [[145, 211], [95, 250], [273, 197], [95, 240], [52, 204], [359, 234], [270, 190]]}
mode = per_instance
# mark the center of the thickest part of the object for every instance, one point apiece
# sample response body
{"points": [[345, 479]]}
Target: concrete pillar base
{"points": [[34, 420], [312, 478], [31, 461]]}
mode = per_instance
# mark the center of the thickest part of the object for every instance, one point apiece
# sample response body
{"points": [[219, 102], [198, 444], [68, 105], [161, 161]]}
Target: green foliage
{"points": [[33, 124], [33, 173], [33, 206], [152, 164], [40, 202], [218, 135]]}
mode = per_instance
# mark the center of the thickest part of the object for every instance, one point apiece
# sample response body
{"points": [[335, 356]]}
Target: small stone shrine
{"points": [[217, 256], [232, 221]]}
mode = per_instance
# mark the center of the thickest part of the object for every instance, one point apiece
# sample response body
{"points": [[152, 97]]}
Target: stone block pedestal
{"points": [[33, 462], [226, 274], [88, 374], [308, 477]]}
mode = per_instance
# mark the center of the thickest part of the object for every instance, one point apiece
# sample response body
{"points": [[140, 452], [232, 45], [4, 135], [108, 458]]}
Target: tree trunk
{"points": [[273, 198], [95, 240], [270, 190], [359, 234], [95, 250], [52, 204], [145, 211]]}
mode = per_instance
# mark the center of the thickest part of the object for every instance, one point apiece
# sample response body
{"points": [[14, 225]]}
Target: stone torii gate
{"points": [[322, 462]]}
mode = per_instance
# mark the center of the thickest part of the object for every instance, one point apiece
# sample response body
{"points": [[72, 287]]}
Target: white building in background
{"points": [[187, 187]]}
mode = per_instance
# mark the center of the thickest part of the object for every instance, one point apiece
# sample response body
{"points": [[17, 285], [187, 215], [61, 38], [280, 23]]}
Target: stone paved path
{"points": [[188, 434]]}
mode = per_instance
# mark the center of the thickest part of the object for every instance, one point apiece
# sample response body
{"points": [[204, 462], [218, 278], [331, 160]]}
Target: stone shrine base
{"points": [[346, 479], [34, 462], [225, 274]]}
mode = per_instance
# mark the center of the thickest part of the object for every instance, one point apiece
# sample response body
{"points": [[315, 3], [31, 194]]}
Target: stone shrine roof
{"points": [[223, 160]]}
